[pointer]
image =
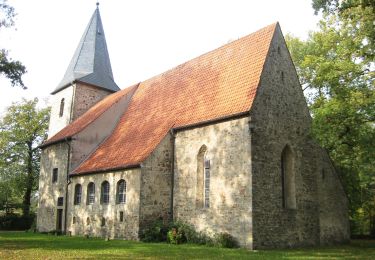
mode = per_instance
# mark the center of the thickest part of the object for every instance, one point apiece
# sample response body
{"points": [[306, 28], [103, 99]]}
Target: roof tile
{"points": [[220, 83]]}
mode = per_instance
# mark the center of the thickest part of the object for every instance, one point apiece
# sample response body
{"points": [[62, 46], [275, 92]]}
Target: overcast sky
{"points": [[144, 38]]}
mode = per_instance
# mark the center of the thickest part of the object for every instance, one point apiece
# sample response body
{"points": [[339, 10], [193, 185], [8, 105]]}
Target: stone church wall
{"points": [[333, 204], [228, 149], [58, 122], [279, 117], [156, 185], [54, 156], [88, 218]]}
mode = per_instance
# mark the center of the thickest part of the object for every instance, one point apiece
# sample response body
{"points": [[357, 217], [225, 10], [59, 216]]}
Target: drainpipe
{"points": [[67, 185], [173, 139]]}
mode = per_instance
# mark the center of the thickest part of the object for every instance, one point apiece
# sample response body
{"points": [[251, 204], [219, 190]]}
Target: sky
{"points": [[144, 37]]}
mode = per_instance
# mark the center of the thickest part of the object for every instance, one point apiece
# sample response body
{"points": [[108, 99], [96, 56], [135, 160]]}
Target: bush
{"points": [[16, 222], [225, 240], [156, 232]]}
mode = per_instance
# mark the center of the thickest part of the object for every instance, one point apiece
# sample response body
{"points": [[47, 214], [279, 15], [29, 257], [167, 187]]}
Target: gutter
{"points": [[133, 166], [69, 138], [67, 185], [212, 121]]}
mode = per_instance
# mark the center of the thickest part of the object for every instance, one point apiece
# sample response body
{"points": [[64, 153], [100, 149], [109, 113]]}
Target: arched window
{"points": [[104, 194], [288, 179], [91, 193], [203, 179], [103, 222], [77, 194], [88, 221], [121, 192], [62, 104]]}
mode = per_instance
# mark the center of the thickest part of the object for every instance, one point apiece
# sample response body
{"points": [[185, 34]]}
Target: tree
{"points": [[13, 70], [336, 68], [22, 130]]}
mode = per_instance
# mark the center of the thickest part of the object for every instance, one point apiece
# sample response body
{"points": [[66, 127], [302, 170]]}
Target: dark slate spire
{"points": [[90, 63]]}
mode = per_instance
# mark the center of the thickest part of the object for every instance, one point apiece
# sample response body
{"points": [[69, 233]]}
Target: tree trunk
{"points": [[29, 182]]}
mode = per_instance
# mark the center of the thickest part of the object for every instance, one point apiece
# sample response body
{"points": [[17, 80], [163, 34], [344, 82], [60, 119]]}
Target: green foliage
{"points": [[180, 233], [22, 130], [9, 68], [336, 68], [155, 232], [225, 240], [16, 222]]}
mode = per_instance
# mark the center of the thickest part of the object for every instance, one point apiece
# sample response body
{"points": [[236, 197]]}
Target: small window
{"points": [[90, 193], [103, 222], [88, 221], [323, 174], [74, 220], [77, 194], [55, 173], [62, 104], [104, 194], [60, 201], [282, 76], [121, 192], [121, 216]]}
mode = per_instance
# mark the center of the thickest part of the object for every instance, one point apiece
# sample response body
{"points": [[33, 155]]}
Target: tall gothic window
{"points": [[55, 174], [288, 179], [206, 183], [62, 104], [91, 193], [77, 194], [203, 179], [121, 192], [104, 194]]}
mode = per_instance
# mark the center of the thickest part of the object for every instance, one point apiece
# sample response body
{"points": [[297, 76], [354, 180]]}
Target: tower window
{"points": [[121, 216], [103, 222], [62, 104], [55, 173], [60, 201]]}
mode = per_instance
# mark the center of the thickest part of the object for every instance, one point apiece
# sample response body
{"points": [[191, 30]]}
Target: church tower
{"points": [[87, 80]]}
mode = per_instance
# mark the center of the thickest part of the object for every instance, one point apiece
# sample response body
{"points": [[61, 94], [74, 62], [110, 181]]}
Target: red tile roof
{"points": [[90, 116], [220, 83]]}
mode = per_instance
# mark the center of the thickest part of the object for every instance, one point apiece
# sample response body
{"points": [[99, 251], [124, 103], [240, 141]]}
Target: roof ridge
{"points": [[214, 50]]}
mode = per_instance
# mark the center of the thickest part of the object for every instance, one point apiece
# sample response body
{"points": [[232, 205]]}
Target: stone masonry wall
{"points": [[280, 117], [228, 149], [88, 218], [86, 96], [56, 122], [333, 204], [55, 156], [156, 185]]}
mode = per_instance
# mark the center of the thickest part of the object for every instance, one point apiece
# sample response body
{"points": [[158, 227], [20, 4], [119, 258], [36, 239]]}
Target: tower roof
{"points": [[90, 63]]}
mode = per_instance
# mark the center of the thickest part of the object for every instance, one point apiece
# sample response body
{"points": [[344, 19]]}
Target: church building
{"points": [[221, 142]]}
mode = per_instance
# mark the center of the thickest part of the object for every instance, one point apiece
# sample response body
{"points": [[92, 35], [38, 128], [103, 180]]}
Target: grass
{"points": [[22, 245]]}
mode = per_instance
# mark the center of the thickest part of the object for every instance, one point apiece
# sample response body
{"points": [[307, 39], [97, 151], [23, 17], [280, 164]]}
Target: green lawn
{"points": [[21, 245]]}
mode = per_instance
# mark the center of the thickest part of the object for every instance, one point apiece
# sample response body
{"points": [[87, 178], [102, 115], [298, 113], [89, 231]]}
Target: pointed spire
{"points": [[90, 63]]}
